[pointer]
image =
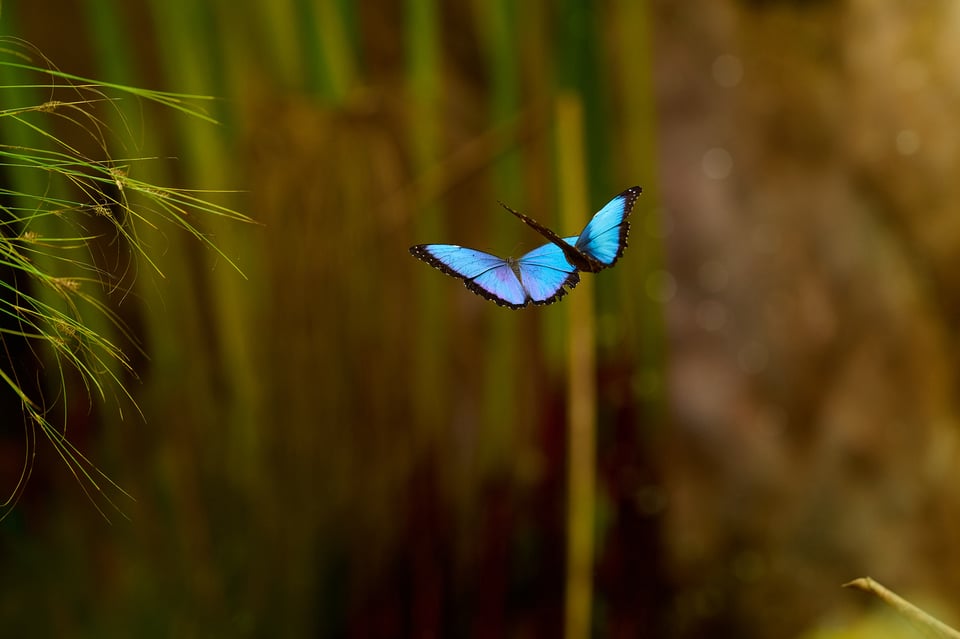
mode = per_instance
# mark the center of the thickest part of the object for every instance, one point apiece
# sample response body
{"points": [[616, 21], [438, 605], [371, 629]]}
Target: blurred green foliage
{"points": [[343, 441]]}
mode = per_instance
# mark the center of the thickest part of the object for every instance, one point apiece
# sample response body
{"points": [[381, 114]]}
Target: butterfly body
{"points": [[545, 274]]}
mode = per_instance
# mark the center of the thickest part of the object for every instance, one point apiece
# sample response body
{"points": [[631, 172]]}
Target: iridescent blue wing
{"points": [[546, 274], [602, 241], [605, 236], [486, 275]]}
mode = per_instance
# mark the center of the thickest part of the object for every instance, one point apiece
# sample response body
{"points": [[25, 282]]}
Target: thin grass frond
{"points": [[94, 179], [60, 209], [25, 53], [30, 443], [96, 484]]}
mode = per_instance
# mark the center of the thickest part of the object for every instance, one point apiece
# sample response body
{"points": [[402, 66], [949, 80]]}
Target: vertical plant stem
{"points": [[209, 351], [327, 56], [194, 58], [328, 40], [110, 41], [581, 379], [423, 68], [502, 412]]}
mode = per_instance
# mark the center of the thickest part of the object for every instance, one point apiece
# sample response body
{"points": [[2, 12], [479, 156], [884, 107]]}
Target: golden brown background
{"points": [[347, 443]]}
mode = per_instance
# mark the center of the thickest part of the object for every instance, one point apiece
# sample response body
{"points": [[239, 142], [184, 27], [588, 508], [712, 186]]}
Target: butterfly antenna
{"points": [[517, 213], [529, 221]]}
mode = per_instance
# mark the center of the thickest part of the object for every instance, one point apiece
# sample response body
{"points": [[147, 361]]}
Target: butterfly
{"points": [[545, 274]]}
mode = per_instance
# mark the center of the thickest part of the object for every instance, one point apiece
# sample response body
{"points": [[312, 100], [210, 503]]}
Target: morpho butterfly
{"points": [[543, 275]]}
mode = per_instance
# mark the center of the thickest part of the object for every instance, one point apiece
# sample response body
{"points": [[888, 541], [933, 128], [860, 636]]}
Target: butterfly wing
{"points": [[605, 236], [546, 274], [486, 275]]}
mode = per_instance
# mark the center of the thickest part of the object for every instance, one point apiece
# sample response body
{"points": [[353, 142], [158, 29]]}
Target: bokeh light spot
{"points": [[711, 315], [661, 286], [727, 70], [713, 276], [753, 357], [908, 142], [717, 163]]}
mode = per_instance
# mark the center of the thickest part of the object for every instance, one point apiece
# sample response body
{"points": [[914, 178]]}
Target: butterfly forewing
{"points": [[605, 236], [456, 260], [487, 275]]}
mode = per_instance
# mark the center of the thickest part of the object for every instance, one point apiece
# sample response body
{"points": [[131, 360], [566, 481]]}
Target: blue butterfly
{"points": [[545, 274]]}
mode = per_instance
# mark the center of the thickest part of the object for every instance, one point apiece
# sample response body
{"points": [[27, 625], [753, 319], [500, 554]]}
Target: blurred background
{"points": [[341, 441]]}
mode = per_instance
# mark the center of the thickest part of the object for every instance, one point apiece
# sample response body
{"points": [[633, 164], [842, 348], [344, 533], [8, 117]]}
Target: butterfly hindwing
{"points": [[546, 274], [486, 275], [500, 285], [605, 236]]}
